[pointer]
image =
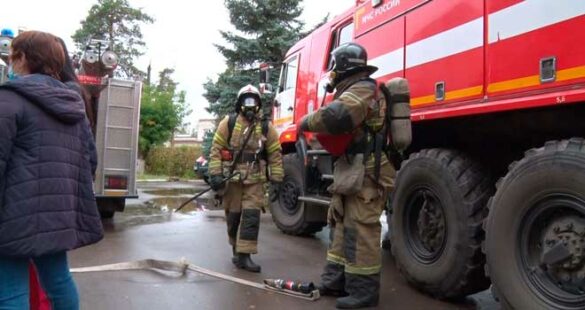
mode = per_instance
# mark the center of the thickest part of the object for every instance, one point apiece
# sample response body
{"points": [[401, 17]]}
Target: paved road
{"points": [[145, 230]]}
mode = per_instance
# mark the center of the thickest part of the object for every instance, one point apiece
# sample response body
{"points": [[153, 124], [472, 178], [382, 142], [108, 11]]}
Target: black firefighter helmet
{"points": [[349, 59]]}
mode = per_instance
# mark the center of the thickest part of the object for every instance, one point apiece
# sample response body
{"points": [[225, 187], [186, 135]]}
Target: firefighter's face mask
{"points": [[330, 87], [250, 107]]}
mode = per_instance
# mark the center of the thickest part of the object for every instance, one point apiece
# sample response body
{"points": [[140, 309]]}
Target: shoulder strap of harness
{"points": [[231, 124], [377, 142]]}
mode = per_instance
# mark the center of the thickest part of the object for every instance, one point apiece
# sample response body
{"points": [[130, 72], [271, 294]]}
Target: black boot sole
{"points": [[255, 270], [236, 263], [360, 306], [332, 293]]}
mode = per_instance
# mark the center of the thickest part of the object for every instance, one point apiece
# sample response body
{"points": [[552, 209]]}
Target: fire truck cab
{"points": [[492, 190]]}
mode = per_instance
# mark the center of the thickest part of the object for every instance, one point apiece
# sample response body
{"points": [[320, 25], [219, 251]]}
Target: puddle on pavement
{"points": [[169, 204], [172, 192], [155, 211]]}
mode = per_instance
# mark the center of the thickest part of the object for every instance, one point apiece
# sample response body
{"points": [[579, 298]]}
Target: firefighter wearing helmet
{"points": [[361, 182], [252, 142]]}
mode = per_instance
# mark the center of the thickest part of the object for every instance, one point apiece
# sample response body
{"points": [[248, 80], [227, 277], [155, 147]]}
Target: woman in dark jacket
{"points": [[47, 158]]}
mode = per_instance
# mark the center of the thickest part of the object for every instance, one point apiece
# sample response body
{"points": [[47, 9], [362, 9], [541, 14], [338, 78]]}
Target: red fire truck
{"points": [[492, 190]]}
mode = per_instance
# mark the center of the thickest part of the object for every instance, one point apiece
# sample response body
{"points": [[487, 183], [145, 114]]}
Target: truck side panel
{"points": [[387, 54], [445, 52], [526, 37]]}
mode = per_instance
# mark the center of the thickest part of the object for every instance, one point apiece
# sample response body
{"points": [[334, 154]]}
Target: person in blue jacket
{"points": [[47, 158]]}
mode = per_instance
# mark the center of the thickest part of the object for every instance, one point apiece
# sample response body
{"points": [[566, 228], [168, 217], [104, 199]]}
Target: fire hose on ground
{"points": [[306, 292], [298, 290]]}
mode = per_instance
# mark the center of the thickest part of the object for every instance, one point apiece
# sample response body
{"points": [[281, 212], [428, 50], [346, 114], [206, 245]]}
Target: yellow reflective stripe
{"points": [[276, 168], [352, 97], [258, 129], [238, 127], [372, 163], [363, 270], [335, 259], [375, 122], [274, 147], [217, 138], [214, 164], [257, 177]]}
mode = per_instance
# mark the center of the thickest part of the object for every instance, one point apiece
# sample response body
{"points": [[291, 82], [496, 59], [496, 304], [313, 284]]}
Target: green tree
{"points": [[118, 23], [207, 141], [162, 113], [266, 29]]}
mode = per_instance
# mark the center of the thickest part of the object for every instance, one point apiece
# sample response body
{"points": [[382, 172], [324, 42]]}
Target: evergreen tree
{"points": [[266, 29], [118, 23], [207, 142]]}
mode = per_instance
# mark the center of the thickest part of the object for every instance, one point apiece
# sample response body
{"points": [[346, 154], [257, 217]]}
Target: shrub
{"points": [[177, 162]]}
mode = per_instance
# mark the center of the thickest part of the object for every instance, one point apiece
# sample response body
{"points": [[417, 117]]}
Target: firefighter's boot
{"points": [[332, 281], [244, 261], [364, 291]]}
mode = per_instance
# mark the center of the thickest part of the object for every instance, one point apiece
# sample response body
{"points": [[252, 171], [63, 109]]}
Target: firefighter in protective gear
{"points": [[243, 197], [352, 271]]}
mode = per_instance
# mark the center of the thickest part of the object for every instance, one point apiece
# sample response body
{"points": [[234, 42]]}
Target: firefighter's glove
{"points": [[275, 188], [216, 182], [303, 126]]}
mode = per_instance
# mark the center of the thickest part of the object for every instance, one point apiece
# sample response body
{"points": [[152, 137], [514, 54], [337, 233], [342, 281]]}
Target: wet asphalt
{"points": [[149, 229]]}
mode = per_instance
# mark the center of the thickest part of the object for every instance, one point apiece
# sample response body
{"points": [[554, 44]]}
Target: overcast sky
{"points": [[182, 36]]}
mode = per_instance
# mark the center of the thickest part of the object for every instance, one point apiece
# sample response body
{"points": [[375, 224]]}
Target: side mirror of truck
{"points": [[264, 74], [266, 88]]}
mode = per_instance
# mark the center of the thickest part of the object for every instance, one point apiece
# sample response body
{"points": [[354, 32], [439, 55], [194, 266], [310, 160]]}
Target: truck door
{"points": [[341, 35], [285, 99]]}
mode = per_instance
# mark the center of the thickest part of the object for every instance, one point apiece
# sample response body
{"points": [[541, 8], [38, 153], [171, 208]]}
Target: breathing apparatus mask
{"points": [[250, 106], [330, 87], [335, 77]]}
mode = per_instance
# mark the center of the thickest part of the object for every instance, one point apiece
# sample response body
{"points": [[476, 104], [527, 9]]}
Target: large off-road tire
{"points": [[438, 208], [288, 212], [535, 231]]}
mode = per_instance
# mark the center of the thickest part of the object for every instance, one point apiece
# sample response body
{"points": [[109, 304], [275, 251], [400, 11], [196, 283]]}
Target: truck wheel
{"points": [[535, 231], [438, 208], [109, 206], [287, 212]]}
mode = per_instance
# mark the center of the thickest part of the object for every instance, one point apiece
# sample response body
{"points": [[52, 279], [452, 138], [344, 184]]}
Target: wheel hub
{"points": [[431, 224], [563, 253], [289, 196]]}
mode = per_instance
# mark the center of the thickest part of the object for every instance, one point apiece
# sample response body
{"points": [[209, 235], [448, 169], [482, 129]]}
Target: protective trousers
{"points": [[355, 230], [242, 204]]}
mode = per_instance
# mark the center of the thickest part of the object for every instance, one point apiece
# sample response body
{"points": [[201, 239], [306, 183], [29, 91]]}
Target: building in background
{"points": [[197, 134], [203, 126]]}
